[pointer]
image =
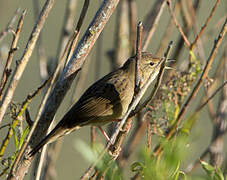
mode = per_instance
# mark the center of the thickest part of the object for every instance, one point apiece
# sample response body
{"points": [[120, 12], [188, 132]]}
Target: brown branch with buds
{"points": [[13, 48]]}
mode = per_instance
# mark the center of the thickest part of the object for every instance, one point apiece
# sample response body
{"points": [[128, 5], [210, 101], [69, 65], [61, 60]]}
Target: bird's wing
{"points": [[100, 102]]}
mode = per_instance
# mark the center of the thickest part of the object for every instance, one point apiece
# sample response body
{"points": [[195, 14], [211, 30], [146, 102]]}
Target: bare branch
{"points": [[151, 21], [169, 3], [197, 86], [7, 70], [21, 64], [205, 25], [138, 56], [9, 25], [66, 27], [132, 25], [211, 97]]}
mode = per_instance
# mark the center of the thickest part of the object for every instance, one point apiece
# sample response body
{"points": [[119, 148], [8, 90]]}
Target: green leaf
{"points": [[176, 173], [24, 134], [15, 139]]}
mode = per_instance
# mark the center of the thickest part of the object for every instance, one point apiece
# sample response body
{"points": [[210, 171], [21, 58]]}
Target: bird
{"points": [[107, 100]]}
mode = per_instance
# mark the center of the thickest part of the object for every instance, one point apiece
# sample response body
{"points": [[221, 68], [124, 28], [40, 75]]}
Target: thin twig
{"points": [[4, 126], [169, 3], [151, 21], [9, 25], [197, 86], [211, 87], [13, 48], [93, 135], [205, 24], [78, 27], [138, 56], [40, 48], [167, 35], [66, 27], [132, 25], [180, 43], [148, 133], [121, 44], [211, 97], [4, 171], [21, 64], [192, 23]]}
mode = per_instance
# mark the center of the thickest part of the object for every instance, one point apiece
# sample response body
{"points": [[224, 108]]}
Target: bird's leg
{"points": [[104, 133], [111, 148]]}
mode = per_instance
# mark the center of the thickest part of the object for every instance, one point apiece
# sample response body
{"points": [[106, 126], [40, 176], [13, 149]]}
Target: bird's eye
{"points": [[152, 63]]}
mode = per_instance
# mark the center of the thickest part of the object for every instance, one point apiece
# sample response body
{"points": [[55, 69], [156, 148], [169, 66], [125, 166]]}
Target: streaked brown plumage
{"points": [[106, 100]]}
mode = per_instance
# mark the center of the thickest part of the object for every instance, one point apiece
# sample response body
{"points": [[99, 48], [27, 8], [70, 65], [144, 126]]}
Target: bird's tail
{"points": [[52, 136]]}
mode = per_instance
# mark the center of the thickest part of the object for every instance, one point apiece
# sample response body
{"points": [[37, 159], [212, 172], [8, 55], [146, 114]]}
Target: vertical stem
{"points": [[138, 55]]}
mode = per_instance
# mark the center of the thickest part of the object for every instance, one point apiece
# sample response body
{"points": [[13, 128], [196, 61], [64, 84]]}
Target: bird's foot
{"points": [[114, 151]]}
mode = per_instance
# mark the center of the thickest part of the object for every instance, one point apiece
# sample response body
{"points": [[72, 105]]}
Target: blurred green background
{"points": [[71, 164]]}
